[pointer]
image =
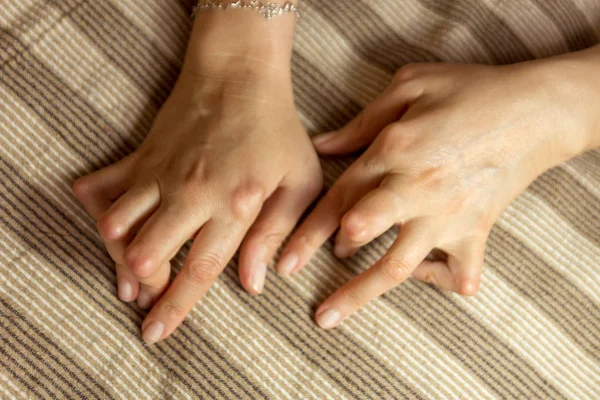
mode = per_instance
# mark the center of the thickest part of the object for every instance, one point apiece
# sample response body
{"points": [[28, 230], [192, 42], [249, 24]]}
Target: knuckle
{"points": [[407, 72], [246, 200], [140, 265], [394, 269], [205, 268], [340, 196], [468, 287], [354, 226], [82, 187], [108, 227], [274, 238], [396, 139], [173, 310], [351, 296], [363, 122], [315, 184], [430, 277], [305, 241]]}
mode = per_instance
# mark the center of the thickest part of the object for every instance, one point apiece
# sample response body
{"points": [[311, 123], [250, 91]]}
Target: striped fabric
{"points": [[80, 84]]}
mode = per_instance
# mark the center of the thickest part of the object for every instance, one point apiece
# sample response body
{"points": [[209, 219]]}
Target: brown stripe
{"points": [[482, 343], [20, 353], [571, 200], [93, 24], [492, 33], [329, 111], [380, 47], [344, 352], [573, 25], [81, 387], [35, 85], [575, 312], [243, 377], [24, 236], [237, 376]]}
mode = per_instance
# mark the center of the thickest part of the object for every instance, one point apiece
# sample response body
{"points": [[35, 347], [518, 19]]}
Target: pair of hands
{"points": [[228, 164]]}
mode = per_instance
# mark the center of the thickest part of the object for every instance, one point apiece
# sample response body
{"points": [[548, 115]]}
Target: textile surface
{"points": [[80, 82]]}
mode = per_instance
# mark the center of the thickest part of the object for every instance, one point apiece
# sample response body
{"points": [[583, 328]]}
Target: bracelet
{"points": [[267, 10]]}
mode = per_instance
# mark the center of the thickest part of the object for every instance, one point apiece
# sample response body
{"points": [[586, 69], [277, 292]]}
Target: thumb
{"points": [[363, 129]]}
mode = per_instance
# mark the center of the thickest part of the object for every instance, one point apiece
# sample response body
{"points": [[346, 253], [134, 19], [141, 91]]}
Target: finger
{"points": [[410, 248], [436, 273], [214, 246], [97, 190], [127, 286], [118, 225], [466, 265], [354, 183], [154, 285], [276, 220], [361, 131], [372, 216], [162, 236], [135, 205]]}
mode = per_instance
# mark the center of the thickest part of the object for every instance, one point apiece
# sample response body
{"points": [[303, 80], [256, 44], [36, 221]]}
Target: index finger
{"points": [[212, 249], [350, 187], [413, 244]]}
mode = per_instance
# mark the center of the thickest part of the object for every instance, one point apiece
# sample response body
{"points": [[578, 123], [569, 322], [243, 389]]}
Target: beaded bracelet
{"points": [[267, 9]]}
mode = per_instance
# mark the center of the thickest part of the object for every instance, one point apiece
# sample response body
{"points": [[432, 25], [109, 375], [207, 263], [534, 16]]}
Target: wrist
{"points": [[577, 76], [239, 42]]}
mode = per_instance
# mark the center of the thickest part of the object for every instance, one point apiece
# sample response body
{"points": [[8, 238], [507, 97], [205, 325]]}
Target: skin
{"points": [[227, 162], [449, 147]]}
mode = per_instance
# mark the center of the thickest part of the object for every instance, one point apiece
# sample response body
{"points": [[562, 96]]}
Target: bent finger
{"points": [[410, 248]]}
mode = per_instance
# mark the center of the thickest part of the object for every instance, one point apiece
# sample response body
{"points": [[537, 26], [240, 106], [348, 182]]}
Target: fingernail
{"points": [[257, 279], [322, 138], [341, 251], [125, 290], [288, 263], [144, 300], [153, 332], [329, 318]]}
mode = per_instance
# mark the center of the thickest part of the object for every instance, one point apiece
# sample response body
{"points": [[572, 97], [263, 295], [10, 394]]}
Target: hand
{"points": [[450, 147], [226, 160]]}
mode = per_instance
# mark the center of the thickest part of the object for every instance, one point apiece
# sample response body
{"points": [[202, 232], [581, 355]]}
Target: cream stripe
{"points": [[16, 389], [119, 100], [56, 322], [218, 299], [50, 176], [53, 93], [365, 342], [521, 325], [170, 39], [507, 368], [337, 61], [437, 361], [455, 43], [582, 170], [59, 202], [535, 30], [543, 231], [16, 294], [224, 296], [68, 294]]}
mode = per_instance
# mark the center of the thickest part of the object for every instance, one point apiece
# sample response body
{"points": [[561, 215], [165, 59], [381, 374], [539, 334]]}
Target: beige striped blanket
{"points": [[80, 83]]}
